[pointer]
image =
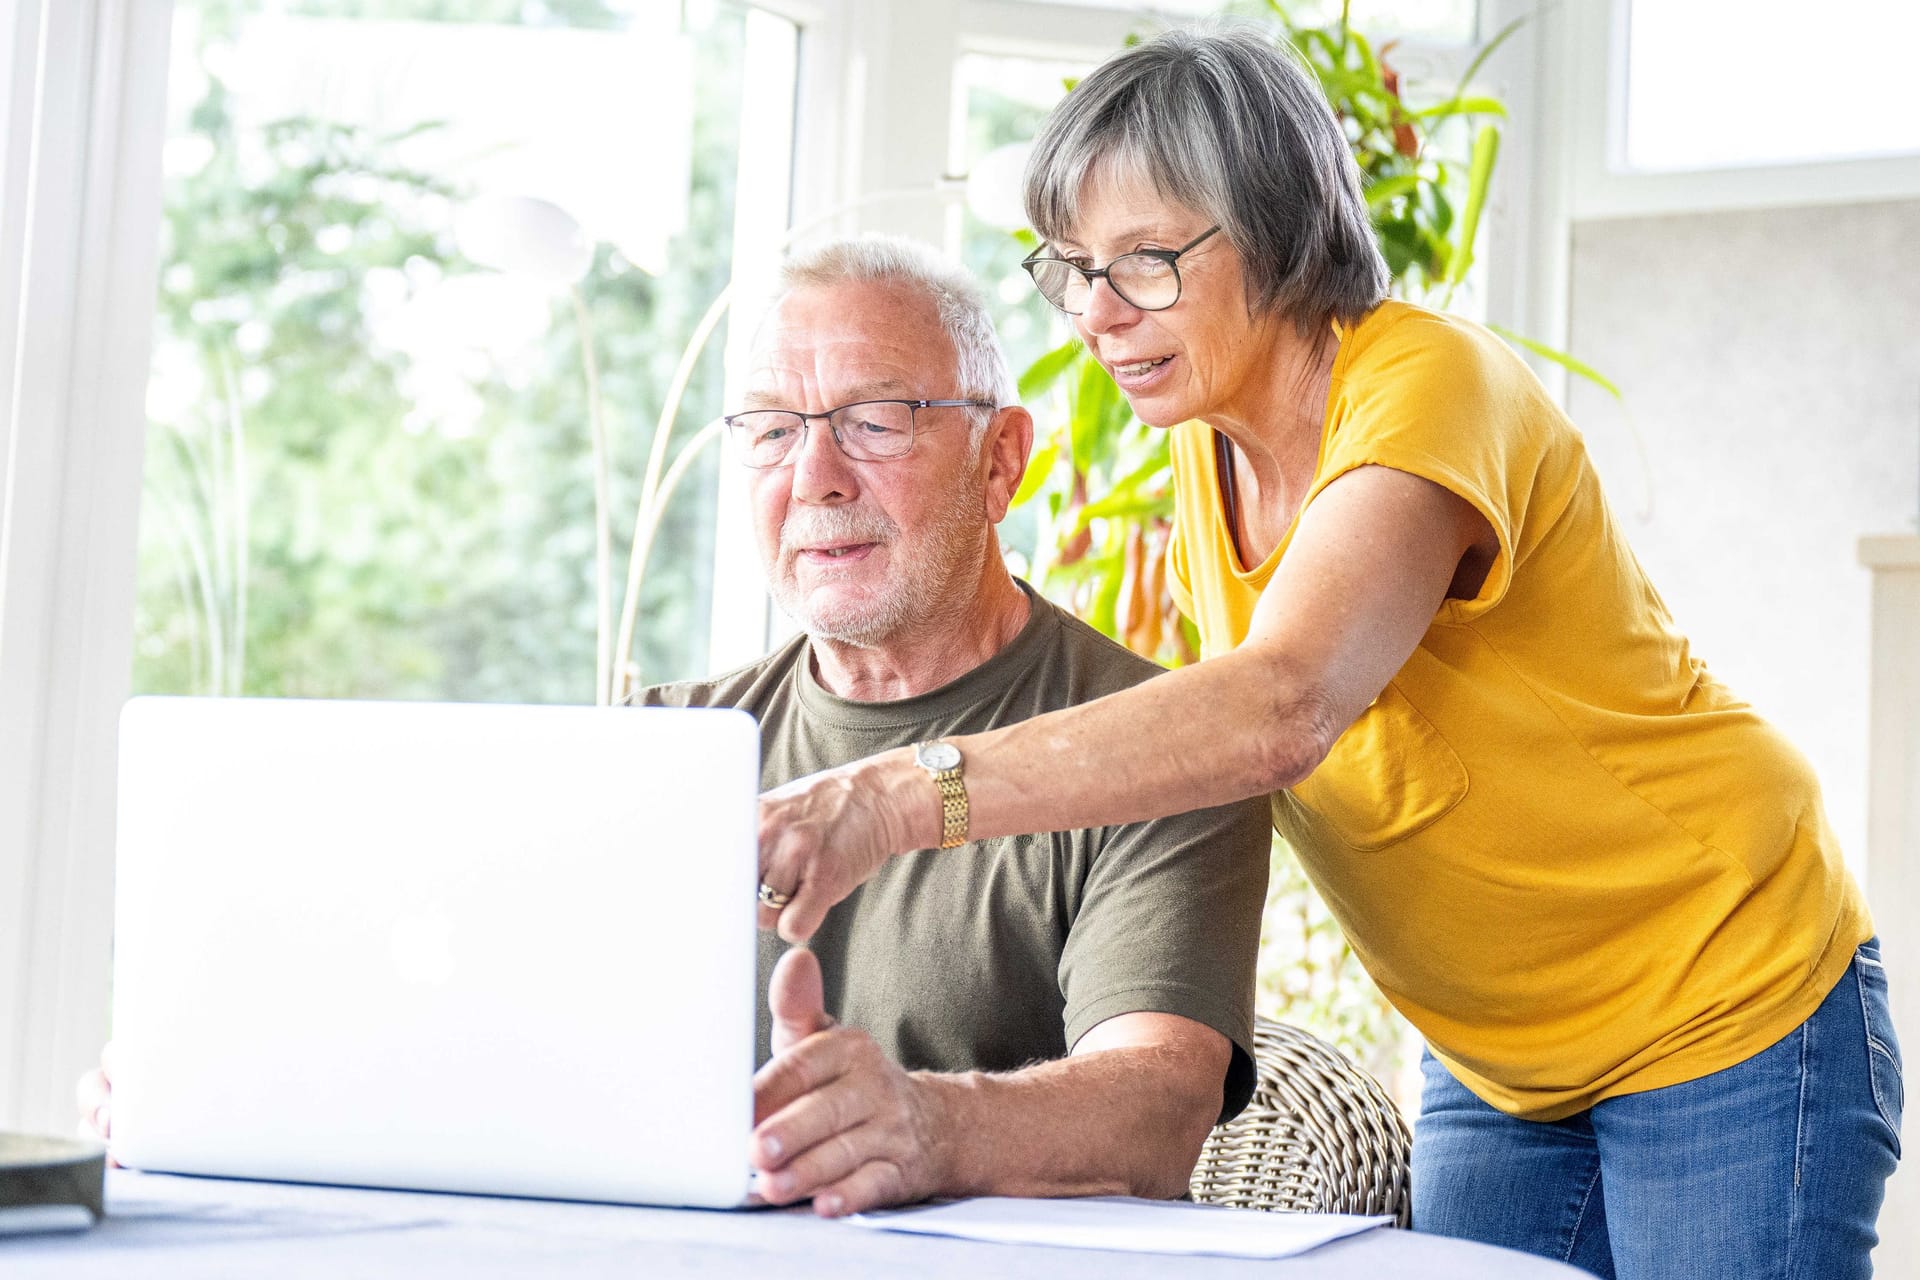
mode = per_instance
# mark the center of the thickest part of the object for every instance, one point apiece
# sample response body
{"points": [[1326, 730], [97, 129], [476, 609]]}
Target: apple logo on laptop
{"points": [[422, 944]]}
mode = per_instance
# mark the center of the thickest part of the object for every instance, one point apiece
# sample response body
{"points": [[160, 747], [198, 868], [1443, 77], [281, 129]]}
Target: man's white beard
{"points": [[935, 572]]}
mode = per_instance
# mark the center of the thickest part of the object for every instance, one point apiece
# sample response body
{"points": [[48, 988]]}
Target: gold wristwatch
{"points": [[942, 762]]}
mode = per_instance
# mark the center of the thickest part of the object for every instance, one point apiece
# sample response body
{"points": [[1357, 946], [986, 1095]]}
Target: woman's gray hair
{"points": [[1224, 123], [979, 362]]}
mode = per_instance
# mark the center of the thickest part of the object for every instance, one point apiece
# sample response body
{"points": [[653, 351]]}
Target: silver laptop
{"points": [[495, 949]]}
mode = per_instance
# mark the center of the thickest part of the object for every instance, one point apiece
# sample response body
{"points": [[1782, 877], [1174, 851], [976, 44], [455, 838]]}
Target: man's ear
{"points": [[1005, 453]]}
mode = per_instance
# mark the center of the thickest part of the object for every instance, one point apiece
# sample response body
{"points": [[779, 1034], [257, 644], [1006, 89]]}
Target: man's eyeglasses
{"points": [[1146, 278], [866, 430]]}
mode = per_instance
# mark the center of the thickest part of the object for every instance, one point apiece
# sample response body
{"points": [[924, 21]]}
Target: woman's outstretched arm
{"points": [[1370, 564]]}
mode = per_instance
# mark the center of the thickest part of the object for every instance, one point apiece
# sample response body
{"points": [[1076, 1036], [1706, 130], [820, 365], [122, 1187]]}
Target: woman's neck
{"points": [[1275, 436], [1276, 420]]}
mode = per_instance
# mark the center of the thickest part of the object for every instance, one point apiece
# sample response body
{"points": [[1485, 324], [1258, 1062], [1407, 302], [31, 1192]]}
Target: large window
{"points": [[414, 251], [1440, 21], [1722, 83], [1002, 103]]}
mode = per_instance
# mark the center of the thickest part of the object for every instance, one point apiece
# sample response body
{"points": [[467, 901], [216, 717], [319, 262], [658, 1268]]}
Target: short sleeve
{"points": [[1169, 922], [1450, 403]]}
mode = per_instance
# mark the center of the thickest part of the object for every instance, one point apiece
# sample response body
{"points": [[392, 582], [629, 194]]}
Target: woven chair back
{"points": [[1320, 1135]]}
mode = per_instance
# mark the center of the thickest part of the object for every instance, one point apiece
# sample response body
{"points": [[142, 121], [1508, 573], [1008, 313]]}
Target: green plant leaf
{"points": [[1046, 371], [1039, 467], [1387, 188], [1486, 149], [1562, 359], [1106, 597], [1124, 506], [1401, 245], [1476, 106], [1367, 62], [1441, 209], [1098, 412], [1157, 464]]}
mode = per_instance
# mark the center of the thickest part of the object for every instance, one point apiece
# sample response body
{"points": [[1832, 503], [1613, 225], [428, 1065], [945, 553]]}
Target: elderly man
{"points": [[1066, 1014]]}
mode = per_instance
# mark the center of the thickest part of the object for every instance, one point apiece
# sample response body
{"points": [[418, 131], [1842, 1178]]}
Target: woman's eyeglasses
{"points": [[1145, 278]]}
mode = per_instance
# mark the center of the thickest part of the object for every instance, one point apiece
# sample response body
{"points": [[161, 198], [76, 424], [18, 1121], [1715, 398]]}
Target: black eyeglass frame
{"points": [[1090, 274], [913, 428]]}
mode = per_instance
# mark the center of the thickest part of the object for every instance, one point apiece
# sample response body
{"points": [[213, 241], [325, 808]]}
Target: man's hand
{"points": [[834, 1118], [94, 1097]]}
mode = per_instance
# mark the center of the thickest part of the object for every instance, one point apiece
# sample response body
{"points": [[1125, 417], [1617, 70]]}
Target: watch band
{"points": [[953, 808], [944, 764]]}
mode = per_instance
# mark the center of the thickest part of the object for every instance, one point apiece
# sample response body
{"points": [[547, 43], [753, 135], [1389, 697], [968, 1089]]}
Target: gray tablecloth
{"points": [[160, 1227]]}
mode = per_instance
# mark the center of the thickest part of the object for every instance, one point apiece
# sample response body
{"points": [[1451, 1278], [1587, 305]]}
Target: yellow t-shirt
{"points": [[1577, 863]]}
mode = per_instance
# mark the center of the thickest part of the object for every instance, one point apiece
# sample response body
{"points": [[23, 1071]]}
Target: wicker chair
{"points": [[1319, 1135]]}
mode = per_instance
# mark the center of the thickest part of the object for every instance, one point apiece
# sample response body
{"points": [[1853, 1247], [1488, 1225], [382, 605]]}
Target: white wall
{"points": [[1771, 361]]}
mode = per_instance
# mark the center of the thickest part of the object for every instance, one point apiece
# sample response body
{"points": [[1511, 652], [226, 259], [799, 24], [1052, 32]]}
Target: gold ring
{"points": [[772, 897]]}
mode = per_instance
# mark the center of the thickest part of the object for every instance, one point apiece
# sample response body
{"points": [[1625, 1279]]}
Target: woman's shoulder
{"points": [[1404, 341]]}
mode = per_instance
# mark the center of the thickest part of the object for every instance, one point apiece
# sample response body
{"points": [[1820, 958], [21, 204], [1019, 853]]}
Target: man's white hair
{"points": [[980, 364]]}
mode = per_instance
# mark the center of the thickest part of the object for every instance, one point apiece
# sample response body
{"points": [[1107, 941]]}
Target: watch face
{"points": [[939, 755]]}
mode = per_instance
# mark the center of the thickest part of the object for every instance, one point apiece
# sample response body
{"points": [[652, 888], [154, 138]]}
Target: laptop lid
{"points": [[494, 949]]}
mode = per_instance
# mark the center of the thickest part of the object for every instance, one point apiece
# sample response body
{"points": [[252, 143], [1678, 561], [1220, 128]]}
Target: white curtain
{"points": [[82, 110]]}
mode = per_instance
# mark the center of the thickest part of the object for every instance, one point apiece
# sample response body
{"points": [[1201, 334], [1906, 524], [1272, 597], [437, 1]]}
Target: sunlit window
{"points": [[1721, 83], [1436, 21], [413, 251], [1004, 102]]}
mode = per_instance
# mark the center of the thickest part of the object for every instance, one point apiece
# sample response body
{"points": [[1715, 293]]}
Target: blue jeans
{"points": [[1772, 1168]]}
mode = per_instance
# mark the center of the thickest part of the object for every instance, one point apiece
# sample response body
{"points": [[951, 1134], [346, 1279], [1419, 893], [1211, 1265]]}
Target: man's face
{"points": [[855, 550]]}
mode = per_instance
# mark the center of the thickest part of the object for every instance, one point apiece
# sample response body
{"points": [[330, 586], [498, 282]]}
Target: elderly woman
{"points": [[1600, 886]]}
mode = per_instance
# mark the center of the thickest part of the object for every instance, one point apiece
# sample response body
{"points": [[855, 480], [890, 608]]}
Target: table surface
{"points": [[159, 1226]]}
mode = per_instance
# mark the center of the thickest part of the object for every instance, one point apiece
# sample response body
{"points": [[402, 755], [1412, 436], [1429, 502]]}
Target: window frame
{"points": [[86, 120], [1603, 187]]}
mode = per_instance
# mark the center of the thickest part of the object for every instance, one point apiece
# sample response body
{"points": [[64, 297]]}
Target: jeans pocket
{"points": [[1883, 1049]]}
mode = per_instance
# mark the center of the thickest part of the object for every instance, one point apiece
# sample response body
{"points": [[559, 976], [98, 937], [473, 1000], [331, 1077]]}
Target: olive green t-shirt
{"points": [[1004, 952]]}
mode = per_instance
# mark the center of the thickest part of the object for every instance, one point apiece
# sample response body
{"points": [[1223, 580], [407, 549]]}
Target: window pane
{"points": [[392, 237], [1440, 21], [1721, 83], [1006, 100]]}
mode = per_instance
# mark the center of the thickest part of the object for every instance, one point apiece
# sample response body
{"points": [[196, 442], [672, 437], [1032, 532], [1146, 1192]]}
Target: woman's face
{"points": [[1204, 356]]}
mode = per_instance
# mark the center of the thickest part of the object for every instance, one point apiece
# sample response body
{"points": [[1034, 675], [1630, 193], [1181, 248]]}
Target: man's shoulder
{"points": [[1081, 663], [1073, 663], [748, 688]]}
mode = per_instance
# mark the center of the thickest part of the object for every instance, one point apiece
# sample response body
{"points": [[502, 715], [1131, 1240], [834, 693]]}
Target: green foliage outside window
{"points": [[315, 527]]}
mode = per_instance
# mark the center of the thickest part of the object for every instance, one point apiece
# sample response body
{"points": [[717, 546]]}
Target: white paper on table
{"points": [[1125, 1224]]}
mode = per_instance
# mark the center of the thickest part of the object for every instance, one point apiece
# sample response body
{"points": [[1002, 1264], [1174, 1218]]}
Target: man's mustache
{"points": [[835, 525]]}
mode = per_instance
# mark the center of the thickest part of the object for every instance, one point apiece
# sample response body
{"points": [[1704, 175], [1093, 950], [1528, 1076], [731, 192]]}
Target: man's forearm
{"points": [[1123, 1121]]}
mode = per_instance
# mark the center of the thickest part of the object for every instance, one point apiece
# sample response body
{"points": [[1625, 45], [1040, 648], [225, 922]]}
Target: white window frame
{"points": [[1603, 187], [85, 115]]}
